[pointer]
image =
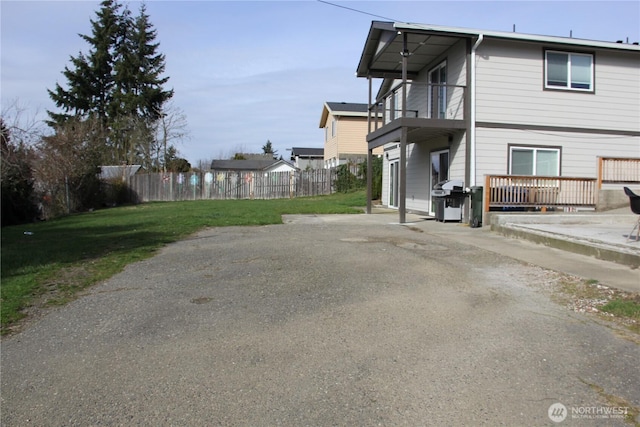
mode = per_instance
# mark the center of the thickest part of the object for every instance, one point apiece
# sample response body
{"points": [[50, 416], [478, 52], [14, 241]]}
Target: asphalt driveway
{"points": [[332, 320]]}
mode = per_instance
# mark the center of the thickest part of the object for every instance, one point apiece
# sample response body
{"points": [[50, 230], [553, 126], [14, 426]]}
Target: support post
{"points": [[369, 155], [403, 138]]}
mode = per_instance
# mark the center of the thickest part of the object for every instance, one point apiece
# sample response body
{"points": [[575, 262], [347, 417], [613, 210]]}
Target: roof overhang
{"points": [[382, 53]]}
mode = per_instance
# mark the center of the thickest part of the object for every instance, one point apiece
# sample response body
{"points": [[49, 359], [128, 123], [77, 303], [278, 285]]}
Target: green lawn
{"points": [[65, 255]]}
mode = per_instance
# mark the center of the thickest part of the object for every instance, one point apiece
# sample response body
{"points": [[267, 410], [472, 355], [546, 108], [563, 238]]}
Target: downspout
{"points": [[472, 114], [369, 154]]}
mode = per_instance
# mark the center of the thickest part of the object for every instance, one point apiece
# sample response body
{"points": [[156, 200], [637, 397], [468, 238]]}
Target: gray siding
{"points": [[417, 97], [510, 89], [419, 170], [418, 191], [578, 156]]}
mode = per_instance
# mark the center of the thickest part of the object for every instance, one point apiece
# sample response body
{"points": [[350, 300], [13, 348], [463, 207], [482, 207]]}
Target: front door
{"points": [[394, 178], [439, 172], [438, 92]]}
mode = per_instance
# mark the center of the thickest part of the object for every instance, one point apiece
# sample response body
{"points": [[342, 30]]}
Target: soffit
{"points": [[382, 55]]}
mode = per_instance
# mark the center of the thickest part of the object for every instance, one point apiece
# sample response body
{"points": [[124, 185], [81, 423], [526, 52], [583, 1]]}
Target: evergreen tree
{"points": [[119, 82], [90, 83], [139, 68], [268, 149]]}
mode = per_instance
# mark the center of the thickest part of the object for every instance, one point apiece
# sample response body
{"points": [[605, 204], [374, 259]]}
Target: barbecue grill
{"points": [[448, 196]]}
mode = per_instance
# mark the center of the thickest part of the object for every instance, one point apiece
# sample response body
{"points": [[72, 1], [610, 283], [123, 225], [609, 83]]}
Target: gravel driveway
{"points": [[345, 320]]}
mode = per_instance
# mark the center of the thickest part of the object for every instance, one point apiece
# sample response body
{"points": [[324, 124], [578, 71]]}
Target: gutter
{"points": [[472, 143]]}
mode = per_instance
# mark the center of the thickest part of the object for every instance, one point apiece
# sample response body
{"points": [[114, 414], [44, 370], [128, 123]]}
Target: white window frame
{"points": [[568, 86], [440, 94], [535, 150], [334, 125]]}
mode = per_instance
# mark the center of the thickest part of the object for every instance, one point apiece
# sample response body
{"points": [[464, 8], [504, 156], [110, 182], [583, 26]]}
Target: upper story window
{"points": [[333, 128], [568, 70]]}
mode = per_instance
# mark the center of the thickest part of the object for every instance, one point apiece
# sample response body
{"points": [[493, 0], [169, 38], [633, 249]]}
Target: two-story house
{"points": [[465, 104], [345, 133]]}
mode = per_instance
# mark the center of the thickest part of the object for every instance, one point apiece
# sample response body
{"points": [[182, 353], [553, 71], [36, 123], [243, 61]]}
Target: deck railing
{"points": [[618, 170], [424, 100], [519, 191]]}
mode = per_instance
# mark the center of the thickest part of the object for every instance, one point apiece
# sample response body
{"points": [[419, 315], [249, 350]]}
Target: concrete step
{"points": [[603, 236]]}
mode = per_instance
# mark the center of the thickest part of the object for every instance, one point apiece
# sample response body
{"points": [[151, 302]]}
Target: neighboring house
{"points": [[345, 133], [254, 156], [307, 158], [112, 173], [487, 103], [265, 165]]}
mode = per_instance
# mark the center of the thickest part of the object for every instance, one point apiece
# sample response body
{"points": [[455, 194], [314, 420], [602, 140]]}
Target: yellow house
{"points": [[345, 133]]}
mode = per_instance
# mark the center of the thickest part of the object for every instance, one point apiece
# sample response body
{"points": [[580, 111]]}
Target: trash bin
{"points": [[475, 219]]}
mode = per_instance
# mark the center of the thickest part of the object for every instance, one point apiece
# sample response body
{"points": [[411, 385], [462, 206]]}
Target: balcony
{"points": [[432, 110]]}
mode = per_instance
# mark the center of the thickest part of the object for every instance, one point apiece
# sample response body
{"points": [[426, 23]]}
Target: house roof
{"points": [[381, 54], [251, 165], [307, 152], [344, 109]]}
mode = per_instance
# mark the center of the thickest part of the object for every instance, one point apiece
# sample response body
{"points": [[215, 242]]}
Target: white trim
{"points": [[457, 31], [472, 114], [442, 91], [535, 150], [569, 70]]}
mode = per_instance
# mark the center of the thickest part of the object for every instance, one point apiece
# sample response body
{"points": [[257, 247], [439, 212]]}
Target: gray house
{"points": [[483, 106], [265, 165], [307, 158]]}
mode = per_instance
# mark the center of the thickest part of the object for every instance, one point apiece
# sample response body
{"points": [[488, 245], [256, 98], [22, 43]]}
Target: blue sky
{"points": [[245, 72]]}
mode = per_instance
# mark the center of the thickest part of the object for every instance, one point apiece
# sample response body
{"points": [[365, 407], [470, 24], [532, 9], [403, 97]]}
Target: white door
{"points": [[438, 92], [394, 178]]}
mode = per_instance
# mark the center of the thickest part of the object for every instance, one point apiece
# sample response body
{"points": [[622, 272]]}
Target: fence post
{"points": [[251, 186], [600, 166], [487, 193], [291, 180]]}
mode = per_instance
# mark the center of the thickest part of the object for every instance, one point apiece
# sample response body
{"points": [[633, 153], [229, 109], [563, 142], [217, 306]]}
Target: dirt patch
{"points": [[589, 297]]}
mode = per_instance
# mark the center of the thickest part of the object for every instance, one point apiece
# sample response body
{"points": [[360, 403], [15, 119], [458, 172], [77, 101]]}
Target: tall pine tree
{"points": [[139, 69], [90, 83], [119, 82]]}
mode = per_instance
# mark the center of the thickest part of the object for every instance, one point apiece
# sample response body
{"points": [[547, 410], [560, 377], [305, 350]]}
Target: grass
{"points": [[623, 308], [64, 256], [614, 401], [619, 306]]}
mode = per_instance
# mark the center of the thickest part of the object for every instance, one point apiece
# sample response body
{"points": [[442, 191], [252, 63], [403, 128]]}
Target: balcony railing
{"points": [[424, 101], [518, 191]]}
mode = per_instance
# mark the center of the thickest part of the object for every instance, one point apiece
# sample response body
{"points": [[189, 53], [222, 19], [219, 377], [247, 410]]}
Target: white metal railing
{"points": [[424, 100]]}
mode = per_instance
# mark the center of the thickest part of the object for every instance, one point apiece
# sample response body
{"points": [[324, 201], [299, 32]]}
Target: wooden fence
{"points": [[231, 185]]}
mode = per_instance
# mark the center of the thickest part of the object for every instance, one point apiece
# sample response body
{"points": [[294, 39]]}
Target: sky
{"points": [[248, 72]]}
